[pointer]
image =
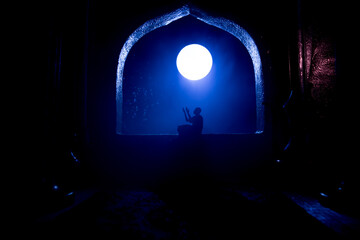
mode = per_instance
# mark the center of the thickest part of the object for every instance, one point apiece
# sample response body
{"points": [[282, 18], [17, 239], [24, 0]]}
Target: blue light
{"points": [[324, 195], [74, 157], [194, 62], [221, 23]]}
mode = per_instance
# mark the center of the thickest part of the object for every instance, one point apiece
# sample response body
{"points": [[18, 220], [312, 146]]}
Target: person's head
{"points": [[197, 111]]}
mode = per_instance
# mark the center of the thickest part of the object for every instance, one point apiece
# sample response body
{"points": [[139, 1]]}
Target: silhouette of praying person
{"points": [[196, 123]]}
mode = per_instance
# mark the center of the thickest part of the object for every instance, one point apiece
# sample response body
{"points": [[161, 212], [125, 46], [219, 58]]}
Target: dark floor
{"points": [[196, 210]]}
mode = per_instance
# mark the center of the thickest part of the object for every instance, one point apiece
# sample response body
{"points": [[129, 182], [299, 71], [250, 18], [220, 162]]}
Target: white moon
{"points": [[194, 62]]}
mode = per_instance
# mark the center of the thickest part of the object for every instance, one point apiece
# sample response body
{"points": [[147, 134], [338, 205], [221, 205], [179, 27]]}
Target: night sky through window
{"points": [[155, 92]]}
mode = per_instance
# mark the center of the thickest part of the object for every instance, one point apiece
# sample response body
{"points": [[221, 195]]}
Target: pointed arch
{"points": [[222, 23]]}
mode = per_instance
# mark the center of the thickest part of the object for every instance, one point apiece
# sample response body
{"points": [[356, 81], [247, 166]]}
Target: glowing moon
{"points": [[194, 62]]}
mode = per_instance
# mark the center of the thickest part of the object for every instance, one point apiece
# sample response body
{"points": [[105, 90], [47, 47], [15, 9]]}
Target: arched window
{"points": [[221, 23]]}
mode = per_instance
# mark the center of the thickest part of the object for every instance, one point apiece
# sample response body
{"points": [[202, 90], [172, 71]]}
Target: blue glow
{"points": [[194, 62], [323, 194], [197, 89], [74, 157]]}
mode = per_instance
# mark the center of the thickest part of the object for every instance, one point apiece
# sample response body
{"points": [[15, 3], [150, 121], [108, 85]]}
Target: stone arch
{"points": [[222, 23]]}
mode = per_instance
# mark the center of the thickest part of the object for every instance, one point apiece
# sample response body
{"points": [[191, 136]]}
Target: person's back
{"points": [[197, 124]]}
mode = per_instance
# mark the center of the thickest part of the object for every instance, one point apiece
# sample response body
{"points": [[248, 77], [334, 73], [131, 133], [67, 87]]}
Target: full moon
{"points": [[194, 62]]}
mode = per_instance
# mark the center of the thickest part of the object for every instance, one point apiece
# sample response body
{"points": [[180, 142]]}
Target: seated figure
{"points": [[196, 126]]}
